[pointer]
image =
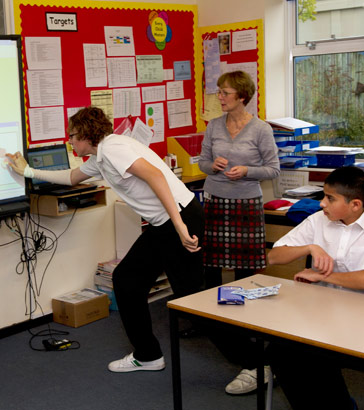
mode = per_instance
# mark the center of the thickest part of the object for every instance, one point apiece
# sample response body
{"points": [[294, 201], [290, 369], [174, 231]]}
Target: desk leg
{"points": [[260, 375], [176, 363]]}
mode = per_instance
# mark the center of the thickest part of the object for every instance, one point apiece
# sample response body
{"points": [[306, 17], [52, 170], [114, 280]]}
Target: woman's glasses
{"points": [[224, 93]]}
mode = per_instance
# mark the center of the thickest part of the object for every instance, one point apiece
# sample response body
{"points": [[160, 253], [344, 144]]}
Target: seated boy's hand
{"points": [[322, 261], [309, 276]]}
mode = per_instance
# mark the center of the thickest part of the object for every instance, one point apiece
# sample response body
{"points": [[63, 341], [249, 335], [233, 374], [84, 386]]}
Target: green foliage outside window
{"points": [[306, 10], [330, 93]]}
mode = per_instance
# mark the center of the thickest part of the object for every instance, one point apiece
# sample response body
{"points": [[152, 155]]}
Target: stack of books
{"points": [[178, 172], [103, 275], [103, 280]]}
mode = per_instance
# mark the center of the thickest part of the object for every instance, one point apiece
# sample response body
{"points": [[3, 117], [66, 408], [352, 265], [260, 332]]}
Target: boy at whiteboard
{"points": [[170, 243]]}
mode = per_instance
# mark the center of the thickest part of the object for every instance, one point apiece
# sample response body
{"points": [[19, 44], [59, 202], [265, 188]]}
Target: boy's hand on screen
{"points": [[17, 162]]}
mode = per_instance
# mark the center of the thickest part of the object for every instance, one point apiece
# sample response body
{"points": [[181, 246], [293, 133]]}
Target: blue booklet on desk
{"points": [[225, 296]]}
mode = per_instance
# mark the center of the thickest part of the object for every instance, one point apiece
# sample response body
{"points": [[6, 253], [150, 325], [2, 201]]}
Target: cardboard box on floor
{"points": [[78, 308]]}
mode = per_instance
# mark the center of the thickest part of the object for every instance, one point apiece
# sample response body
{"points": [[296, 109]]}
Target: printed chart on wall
{"points": [[130, 59], [227, 48]]}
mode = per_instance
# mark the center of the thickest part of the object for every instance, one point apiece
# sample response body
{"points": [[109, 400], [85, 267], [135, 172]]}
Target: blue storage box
{"points": [[297, 162], [334, 161], [110, 293], [297, 146], [310, 144]]}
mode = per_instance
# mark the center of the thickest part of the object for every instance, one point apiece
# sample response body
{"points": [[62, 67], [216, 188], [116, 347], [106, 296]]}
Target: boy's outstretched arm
{"points": [[64, 177], [322, 261], [351, 280]]}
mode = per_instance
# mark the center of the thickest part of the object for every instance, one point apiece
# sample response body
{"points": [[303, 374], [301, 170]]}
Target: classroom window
{"points": [[328, 19], [329, 91], [328, 68]]}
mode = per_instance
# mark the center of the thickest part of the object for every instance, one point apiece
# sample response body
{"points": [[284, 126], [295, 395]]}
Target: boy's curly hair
{"points": [[91, 124]]}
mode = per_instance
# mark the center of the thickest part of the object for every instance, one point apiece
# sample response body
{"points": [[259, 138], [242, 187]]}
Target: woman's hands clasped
{"points": [[219, 164], [236, 172]]}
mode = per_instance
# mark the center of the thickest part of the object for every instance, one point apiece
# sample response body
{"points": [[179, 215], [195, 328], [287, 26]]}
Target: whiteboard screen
{"points": [[12, 118]]}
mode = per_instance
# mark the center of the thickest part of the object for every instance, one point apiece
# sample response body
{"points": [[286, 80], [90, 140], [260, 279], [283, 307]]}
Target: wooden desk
{"points": [[318, 316]]}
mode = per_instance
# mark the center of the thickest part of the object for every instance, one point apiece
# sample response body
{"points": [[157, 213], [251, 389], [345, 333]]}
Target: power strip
{"points": [[56, 344]]}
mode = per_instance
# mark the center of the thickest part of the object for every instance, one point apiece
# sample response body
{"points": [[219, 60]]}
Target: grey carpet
{"points": [[79, 379]]}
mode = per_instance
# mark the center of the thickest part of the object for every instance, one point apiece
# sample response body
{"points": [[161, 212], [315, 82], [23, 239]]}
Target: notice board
{"points": [[230, 47], [158, 32]]}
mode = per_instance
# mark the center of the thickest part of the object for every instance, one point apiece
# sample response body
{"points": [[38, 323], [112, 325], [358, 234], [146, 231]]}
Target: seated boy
{"points": [[334, 237]]}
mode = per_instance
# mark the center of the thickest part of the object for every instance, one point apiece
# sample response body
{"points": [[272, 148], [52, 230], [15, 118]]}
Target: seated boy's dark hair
{"points": [[348, 182]]}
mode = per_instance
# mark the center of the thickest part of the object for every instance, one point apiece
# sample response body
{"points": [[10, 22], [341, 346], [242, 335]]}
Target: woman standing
{"points": [[238, 151]]}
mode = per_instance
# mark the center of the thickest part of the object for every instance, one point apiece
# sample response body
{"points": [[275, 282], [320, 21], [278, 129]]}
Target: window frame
{"points": [[2, 18], [333, 46]]}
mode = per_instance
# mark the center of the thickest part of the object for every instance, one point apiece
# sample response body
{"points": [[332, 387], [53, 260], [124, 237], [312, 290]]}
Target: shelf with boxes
{"points": [[291, 153], [289, 134], [59, 205], [296, 151]]}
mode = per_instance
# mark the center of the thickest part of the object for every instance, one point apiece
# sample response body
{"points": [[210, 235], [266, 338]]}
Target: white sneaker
{"points": [[129, 364], [246, 381]]}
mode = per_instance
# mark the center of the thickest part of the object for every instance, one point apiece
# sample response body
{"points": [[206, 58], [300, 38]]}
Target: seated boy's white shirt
{"points": [[344, 243]]}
